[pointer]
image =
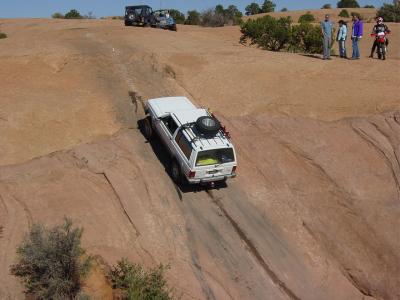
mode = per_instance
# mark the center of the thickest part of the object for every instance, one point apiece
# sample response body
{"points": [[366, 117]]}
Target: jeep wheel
{"points": [[173, 27], [147, 129], [175, 171], [127, 23]]}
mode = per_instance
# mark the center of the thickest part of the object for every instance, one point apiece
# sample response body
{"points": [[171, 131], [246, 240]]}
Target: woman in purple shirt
{"points": [[356, 35]]}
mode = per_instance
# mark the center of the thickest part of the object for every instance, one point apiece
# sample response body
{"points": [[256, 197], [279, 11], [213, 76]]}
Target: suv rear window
{"points": [[215, 157]]}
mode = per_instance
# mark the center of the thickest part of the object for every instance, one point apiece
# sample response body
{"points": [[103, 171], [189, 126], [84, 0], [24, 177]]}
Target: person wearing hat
{"points": [[341, 38], [379, 27], [327, 29]]}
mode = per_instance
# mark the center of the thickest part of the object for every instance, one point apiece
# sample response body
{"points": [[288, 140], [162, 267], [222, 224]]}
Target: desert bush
{"points": [[369, 6], [307, 38], [117, 18], [344, 13], [307, 18], [267, 32], [210, 18], [284, 9], [57, 15], [51, 262], [326, 6], [73, 14], [348, 4], [138, 284], [193, 18], [3, 35], [280, 34], [390, 12], [177, 15], [268, 6]]}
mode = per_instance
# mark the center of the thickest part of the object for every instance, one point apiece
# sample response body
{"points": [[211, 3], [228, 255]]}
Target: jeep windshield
{"points": [[215, 157], [136, 11]]}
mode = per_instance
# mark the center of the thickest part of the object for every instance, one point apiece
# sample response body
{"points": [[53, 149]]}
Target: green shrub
{"points": [[284, 9], [344, 13], [306, 38], [326, 6], [369, 6], [138, 284], [3, 35], [307, 18], [73, 14], [267, 32], [57, 15], [390, 12], [51, 262], [278, 34], [348, 4], [193, 18]]}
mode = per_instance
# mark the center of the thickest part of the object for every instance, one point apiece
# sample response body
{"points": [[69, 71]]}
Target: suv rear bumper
{"points": [[210, 179]]}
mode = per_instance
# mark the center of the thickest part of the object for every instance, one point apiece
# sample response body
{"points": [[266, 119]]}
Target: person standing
{"points": [[341, 38], [356, 35], [327, 29], [379, 28]]}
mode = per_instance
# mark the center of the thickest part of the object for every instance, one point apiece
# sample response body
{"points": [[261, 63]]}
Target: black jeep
{"points": [[140, 15]]}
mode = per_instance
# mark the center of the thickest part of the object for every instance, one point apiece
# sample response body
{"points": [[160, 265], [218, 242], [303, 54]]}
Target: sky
{"points": [[100, 8]]}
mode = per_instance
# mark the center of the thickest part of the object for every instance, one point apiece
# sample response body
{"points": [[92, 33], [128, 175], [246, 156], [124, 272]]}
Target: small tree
{"points": [[73, 14], [348, 4], [344, 13], [177, 15], [253, 8], [193, 18], [210, 18], [307, 18], [51, 262], [3, 35], [369, 6], [137, 283], [284, 9], [390, 12], [326, 6], [57, 15], [268, 6]]}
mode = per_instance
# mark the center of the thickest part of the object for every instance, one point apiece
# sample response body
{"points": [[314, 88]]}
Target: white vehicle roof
{"points": [[181, 109], [165, 106]]}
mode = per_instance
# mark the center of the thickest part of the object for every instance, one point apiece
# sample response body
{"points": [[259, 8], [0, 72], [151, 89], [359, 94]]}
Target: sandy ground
{"points": [[314, 213]]}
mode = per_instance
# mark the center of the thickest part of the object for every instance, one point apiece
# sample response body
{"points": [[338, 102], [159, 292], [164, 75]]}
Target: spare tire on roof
{"points": [[208, 125]]}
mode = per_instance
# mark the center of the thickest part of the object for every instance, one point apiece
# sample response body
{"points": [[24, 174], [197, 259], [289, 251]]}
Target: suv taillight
{"points": [[192, 174], [234, 169]]}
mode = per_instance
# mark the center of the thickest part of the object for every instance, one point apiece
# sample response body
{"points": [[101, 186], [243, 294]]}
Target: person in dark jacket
{"points": [[356, 35], [379, 27]]}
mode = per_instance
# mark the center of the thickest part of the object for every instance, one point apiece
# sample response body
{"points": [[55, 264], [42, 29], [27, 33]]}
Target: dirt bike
{"points": [[381, 48]]}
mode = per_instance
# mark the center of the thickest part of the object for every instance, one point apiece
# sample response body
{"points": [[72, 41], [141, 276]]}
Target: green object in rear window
{"points": [[215, 157], [204, 161]]}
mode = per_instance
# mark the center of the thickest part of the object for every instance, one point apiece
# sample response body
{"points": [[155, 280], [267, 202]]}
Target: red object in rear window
{"points": [[192, 174]]}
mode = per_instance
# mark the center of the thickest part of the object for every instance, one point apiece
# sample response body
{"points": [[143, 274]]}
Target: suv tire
{"points": [[175, 172], [208, 125], [148, 129]]}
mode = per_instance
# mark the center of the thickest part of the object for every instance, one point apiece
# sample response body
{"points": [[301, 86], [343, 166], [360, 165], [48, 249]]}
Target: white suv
{"points": [[200, 148]]}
